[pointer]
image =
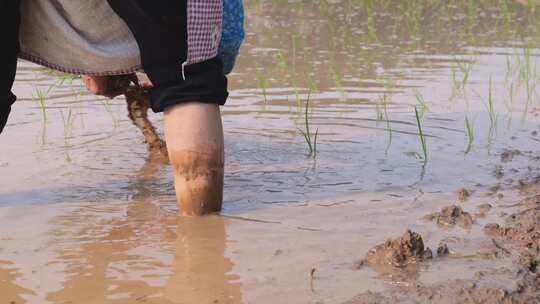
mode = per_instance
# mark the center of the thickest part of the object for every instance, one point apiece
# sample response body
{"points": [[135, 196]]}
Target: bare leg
{"points": [[194, 136]]}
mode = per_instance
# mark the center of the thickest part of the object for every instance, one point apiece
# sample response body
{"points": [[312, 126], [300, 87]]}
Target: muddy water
{"points": [[84, 218]]}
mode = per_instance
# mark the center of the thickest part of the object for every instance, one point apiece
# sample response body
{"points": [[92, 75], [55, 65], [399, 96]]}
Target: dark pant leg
{"points": [[9, 33], [161, 30]]}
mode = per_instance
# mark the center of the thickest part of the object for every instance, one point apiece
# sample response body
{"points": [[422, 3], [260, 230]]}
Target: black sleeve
{"points": [[160, 28], [9, 33]]}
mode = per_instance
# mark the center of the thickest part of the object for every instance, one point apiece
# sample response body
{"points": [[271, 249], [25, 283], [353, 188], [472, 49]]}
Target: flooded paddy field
{"points": [[417, 106]]}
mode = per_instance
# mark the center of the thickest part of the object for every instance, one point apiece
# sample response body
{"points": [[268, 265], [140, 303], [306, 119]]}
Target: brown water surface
{"points": [[84, 218]]}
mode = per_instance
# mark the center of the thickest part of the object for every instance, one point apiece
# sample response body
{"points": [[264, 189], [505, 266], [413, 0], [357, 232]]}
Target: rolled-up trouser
{"points": [[9, 33], [178, 41]]}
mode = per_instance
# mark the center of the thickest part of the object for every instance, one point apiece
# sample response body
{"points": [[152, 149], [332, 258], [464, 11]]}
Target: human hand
{"points": [[109, 86]]}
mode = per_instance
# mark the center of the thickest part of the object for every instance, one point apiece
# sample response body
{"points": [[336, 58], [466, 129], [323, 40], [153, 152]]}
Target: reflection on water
{"points": [[80, 220], [123, 254], [8, 288], [127, 263], [201, 272]]}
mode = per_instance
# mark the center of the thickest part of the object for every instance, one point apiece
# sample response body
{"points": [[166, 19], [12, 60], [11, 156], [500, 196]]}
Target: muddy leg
{"points": [[194, 136], [138, 104]]}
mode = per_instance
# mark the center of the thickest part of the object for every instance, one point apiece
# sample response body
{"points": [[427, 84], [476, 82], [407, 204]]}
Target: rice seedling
{"points": [[312, 82], [311, 142], [505, 10], [261, 80], [281, 60], [470, 134], [386, 98], [371, 28], [282, 63], [44, 134], [111, 113], [492, 116], [378, 110], [413, 13], [68, 122], [338, 81], [472, 14], [381, 103], [456, 88], [509, 69], [490, 106], [422, 106], [40, 96], [510, 104], [388, 128], [532, 89], [421, 134], [293, 69], [465, 67], [531, 5], [525, 71], [296, 93], [61, 79], [294, 39]]}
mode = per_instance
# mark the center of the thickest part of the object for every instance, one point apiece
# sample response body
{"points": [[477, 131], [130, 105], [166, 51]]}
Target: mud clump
{"points": [[508, 155], [463, 194], [518, 237], [495, 230], [408, 249], [451, 216], [483, 209], [443, 250], [453, 292], [522, 227]]}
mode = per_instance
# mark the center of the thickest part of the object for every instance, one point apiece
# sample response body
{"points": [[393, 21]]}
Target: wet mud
{"points": [[451, 216], [199, 180], [138, 104], [518, 237], [88, 216], [400, 252], [463, 194]]}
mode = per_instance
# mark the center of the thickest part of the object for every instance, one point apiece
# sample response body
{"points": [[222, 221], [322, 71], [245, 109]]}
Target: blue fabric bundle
{"points": [[233, 33]]}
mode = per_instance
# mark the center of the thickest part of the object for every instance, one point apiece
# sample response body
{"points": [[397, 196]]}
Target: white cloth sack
{"points": [[78, 37]]}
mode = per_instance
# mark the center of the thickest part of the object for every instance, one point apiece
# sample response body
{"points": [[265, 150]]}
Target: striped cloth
{"points": [[204, 29]]}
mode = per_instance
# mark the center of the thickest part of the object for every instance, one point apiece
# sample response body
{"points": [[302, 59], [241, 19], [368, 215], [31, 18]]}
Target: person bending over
{"points": [[178, 43]]}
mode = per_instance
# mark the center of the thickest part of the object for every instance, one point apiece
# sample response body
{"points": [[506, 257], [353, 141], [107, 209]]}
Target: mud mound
{"points": [[483, 210], [458, 291], [451, 216], [463, 194], [522, 228], [400, 252], [508, 155], [520, 236]]}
